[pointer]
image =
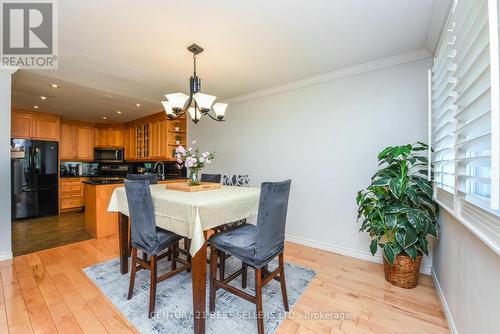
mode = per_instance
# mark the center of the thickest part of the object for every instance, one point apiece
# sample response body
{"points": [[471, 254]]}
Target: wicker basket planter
{"points": [[404, 273]]}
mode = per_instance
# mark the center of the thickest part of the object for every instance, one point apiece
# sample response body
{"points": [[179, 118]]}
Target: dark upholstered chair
{"points": [[149, 239], [152, 178], [242, 180], [255, 246], [213, 178]]}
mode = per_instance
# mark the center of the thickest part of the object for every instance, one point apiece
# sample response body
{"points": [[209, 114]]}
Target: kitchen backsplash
{"points": [[68, 168]]}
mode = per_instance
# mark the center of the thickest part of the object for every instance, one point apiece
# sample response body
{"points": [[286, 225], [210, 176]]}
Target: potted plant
{"points": [[398, 212], [177, 140], [194, 160]]}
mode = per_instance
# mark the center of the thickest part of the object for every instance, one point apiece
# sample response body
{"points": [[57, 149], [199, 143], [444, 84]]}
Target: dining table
{"points": [[190, 215]]}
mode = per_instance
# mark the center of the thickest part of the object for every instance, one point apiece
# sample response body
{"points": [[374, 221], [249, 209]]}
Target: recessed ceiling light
{"points": [[54, 85], [104, 117], [108, 96], [137, 104], [118, 112], [43, 97], [36, 107]]}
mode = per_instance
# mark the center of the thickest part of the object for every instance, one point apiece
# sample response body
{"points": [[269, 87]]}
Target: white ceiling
{"points": [[136, 50]]}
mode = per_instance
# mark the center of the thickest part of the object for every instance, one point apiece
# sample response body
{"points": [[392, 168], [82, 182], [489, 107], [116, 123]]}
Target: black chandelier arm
{"points": [[215, 118]]}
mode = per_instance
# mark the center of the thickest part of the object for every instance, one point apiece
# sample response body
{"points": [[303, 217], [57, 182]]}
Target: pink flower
{"points": [[205, 154], [180, 150], [194, 142], [179, 161]]}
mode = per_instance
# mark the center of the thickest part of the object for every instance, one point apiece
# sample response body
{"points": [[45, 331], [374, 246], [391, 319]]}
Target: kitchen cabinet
{"points": [[77, 141], [71, 193], [154, 138], [109, 136], [34, 125]]}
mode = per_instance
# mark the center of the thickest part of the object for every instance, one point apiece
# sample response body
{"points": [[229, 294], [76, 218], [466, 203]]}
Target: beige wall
{"points": [[467, 272], [325, 138]]}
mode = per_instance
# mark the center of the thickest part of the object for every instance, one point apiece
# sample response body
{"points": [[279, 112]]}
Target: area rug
{"points": [[174, 299]]}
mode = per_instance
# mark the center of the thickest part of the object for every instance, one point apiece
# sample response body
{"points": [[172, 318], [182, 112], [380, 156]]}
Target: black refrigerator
{"points": [[34, 178]]}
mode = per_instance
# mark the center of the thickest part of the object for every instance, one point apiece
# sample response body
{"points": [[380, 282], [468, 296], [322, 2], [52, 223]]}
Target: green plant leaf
{"points": [[384, 181], [432, 231], [389, 253], [412, 252], [390, 221], [395, 185], [373, 246]]}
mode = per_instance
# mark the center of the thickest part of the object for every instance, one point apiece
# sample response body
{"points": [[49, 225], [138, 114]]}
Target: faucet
{"points": [[162, 174]]}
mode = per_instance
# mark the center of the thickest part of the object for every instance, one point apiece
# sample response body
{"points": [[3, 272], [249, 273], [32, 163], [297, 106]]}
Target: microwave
{"points": [[108, 154]]}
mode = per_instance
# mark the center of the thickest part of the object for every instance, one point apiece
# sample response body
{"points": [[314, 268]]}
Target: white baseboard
{"points": [[352, 252], [447, 312], [5, 256]]}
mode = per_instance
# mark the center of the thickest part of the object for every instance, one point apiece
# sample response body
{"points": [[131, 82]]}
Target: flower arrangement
{"points": [[194, 160]]}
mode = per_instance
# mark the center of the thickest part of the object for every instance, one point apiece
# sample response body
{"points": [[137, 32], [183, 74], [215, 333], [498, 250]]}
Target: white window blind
{"points": [[465, 108]]}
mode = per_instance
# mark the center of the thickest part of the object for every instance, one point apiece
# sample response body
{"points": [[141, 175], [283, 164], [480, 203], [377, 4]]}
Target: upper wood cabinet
{"points": [[77, 141], [153, 138], [34, 125], [109, 136]]}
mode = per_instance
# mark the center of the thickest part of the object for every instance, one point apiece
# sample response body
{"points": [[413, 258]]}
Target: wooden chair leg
{"points": [[213, 276], [258, 303], [282, 282], [244, 275], [187, 246], [132, 273], [152, 287], [173, 250], [222, 265]]}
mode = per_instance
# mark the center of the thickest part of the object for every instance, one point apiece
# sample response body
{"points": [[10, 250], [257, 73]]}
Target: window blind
{"points": [[465, 107]]}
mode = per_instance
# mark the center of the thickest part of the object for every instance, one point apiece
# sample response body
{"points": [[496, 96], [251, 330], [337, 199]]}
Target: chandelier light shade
{"points": [[196, 104], [220, 110]]}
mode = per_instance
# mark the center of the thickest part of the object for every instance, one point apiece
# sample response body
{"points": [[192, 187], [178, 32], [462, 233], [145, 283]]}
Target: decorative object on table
{"points": [[255, 246], [196, 103], [214, 178], [107, 277], [149, 239], [194, 160], [177, 127], [236, 180], [398, 212], [184, 186]]}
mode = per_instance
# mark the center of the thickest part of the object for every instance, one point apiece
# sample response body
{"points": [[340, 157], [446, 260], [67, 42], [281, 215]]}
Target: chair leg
{"points": [[258, 303], [213, 276], [152, 287], [244, 276], [187, 246], [222, 265], [282, 282], [173, 250], [132, 273]]}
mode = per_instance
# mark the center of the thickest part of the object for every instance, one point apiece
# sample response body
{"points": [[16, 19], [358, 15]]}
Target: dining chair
{"points": [[255, 246], [150, 239], [235, 180], [213, 178], [152, 178]]}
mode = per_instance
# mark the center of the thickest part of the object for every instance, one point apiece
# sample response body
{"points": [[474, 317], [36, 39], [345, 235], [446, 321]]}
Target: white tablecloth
{"points": [[190, 213]]}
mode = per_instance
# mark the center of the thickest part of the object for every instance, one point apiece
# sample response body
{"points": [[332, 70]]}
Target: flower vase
{"points": [[194, 176]]}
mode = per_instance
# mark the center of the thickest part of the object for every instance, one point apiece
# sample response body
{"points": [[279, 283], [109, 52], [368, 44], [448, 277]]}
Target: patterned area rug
{"points": [[174, 299]]}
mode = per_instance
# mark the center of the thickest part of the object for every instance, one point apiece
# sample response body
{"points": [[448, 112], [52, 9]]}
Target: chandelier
{"points": [[196, 103]]}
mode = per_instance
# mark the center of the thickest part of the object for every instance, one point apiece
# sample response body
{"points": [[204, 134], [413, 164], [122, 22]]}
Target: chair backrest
{"points": [[213, 178], [242, 180], [142, 218], [271, 219], [152, 178]]}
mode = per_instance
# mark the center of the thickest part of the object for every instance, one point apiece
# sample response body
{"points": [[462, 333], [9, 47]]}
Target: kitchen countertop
{"points": [[108, 182]]}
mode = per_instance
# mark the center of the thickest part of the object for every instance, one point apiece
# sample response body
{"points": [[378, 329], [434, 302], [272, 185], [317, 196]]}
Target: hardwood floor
{"points": [[47, 292], [32, 235]]}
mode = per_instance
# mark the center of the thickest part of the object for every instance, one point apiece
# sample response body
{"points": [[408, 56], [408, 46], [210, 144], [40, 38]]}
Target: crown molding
{"points": [[8, 69], [439, 18], [334, 75]]}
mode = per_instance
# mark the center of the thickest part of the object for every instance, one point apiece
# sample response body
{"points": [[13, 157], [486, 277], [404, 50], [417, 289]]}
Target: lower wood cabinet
{"points": [[71, 193]]}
